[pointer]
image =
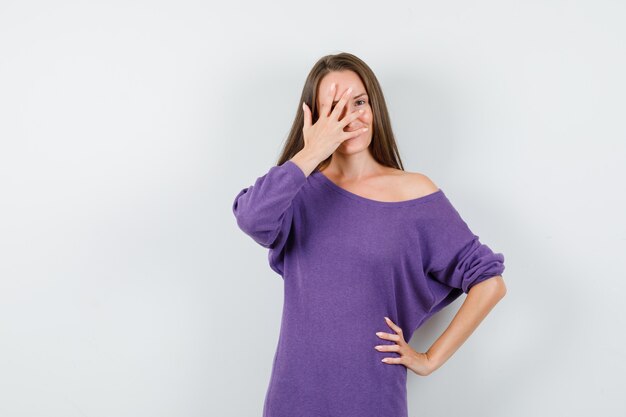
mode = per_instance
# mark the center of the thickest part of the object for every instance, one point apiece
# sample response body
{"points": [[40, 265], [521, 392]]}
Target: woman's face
{"points": [[358, 100]]}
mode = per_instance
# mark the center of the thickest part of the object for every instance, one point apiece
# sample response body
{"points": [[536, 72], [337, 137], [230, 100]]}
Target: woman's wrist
{"points": [[306, 161]]}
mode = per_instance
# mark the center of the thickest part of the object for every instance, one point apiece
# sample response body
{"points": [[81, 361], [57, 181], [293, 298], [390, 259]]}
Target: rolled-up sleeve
{"points": [[456, 257]]}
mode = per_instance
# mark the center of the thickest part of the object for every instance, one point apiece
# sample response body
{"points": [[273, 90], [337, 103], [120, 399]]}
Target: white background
{"points": [[127, 128]]}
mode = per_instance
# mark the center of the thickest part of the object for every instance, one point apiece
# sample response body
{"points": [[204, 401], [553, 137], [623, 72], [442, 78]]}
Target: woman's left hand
{"points": [[415, 361]]}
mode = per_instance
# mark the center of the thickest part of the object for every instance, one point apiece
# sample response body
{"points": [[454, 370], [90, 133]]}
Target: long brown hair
{"points": [[383, 145]]}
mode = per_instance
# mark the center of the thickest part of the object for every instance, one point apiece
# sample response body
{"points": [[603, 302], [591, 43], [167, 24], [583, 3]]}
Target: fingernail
{"points": [[386, 318], [379, 333]]}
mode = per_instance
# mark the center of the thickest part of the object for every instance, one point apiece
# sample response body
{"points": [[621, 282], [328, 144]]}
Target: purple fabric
{"points": [[346, 262]]}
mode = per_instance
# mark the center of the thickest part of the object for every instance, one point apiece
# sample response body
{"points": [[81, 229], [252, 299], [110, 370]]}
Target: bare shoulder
{"points": [[422, 181], [415, 184]]}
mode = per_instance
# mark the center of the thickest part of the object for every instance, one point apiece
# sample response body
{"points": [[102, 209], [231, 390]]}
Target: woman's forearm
{"points": [[480, 299]]}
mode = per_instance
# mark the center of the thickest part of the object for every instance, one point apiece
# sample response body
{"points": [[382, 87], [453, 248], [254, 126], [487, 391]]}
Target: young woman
{"points": [[359, 243]]}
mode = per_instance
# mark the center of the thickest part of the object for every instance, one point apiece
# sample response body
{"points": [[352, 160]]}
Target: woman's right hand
{"points": [[325, 136]]}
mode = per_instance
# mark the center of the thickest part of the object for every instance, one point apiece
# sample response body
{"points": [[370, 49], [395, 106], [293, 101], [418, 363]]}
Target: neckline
{"points": [[325, 180]]}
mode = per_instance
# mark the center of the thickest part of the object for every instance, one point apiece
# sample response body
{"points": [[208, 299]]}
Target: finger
{"points": [[392, 361], [394, 326], [388, 348], [352, 116], [350, 135], [327, 100], [341, 104], [307, 115], [388, 336]]}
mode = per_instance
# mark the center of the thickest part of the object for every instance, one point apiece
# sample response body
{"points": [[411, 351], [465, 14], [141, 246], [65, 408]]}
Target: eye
{"points": [[359, 101]]}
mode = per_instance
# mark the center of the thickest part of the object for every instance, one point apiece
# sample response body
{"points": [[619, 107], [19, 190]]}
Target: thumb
{"points": [[307, 115]]}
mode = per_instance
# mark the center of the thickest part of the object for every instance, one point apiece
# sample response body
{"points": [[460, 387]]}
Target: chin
{"points": [[356, 144]]}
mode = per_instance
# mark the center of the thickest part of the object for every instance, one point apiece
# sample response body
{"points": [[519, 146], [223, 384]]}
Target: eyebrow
{"points": [[360, 95]]}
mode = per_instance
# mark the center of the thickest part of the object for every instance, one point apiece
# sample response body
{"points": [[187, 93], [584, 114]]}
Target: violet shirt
{"points": [[346, 262]]}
